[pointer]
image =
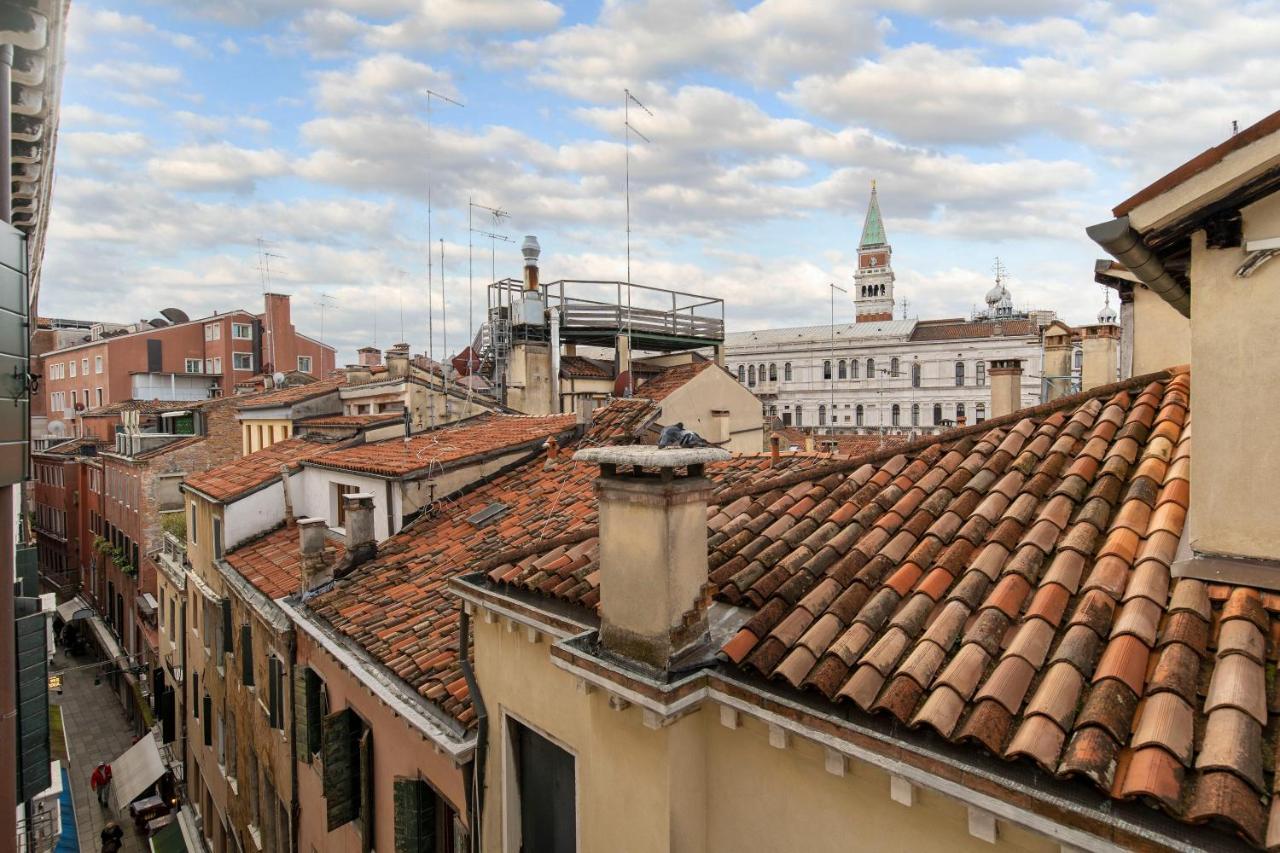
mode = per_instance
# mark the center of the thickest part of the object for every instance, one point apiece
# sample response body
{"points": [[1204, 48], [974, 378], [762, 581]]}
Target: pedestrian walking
{"points": [[112, 837], [100, 782]]}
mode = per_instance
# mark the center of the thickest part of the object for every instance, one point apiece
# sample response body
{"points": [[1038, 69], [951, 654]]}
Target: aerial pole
{"points": [[430, 307], [627, 101], [498, 215]]}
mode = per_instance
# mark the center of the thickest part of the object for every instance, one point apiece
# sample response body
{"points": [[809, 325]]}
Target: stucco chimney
{"points": [[398, 361], [362, 543], [1101, 345], [314, 570], [1006, 386], [720, 434], [1057, 360], [654, 591], [357, 374]]}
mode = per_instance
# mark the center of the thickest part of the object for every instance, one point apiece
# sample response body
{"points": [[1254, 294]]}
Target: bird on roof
{"points": [[676, 435]]}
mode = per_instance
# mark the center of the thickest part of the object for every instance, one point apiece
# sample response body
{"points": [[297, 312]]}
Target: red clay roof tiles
{"points": [[257, 469], [272, 562]]}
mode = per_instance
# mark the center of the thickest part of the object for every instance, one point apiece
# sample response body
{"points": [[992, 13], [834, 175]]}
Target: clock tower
{"points": [[873, 282]]}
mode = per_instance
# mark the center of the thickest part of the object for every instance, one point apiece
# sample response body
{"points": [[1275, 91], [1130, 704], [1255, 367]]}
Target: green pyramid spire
{"points": [[873, 228]]}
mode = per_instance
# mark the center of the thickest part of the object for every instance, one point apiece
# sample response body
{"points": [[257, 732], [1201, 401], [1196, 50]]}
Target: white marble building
{"points": [[882, 374]]}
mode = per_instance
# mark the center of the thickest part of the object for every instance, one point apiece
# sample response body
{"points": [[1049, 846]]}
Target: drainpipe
{"points": [[475, 790], [1123, 243], [555, 408], [6, 131], [295, 806]]}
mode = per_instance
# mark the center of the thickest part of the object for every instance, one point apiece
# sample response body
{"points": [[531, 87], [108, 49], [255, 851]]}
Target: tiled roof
{"points": [[394, 457], [1007, 586], [349, 420], [146, 407], [585, 368], [397, 606], [72, 446], [258, 468], [671, 379], [622, 419], [292, 394], [977, 329], [272, 562]]}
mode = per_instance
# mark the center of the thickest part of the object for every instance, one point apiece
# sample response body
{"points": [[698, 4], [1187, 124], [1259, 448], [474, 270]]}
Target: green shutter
{"points": [[32, 684], [341, 768], [226, 626], [415, 809], [301, 717], [366, 789], [313, 712], [246, 654], [208, 721]]}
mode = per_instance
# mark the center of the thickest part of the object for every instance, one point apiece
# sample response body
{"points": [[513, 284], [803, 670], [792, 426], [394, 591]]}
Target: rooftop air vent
{"points": [[488, 514]]}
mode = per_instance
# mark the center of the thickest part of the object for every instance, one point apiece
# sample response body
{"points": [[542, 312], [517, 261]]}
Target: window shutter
{"points": [[208, 721], [195, 694], [341, 768], [273, 692], [415, 809], [366, 789], [301, 714], [246, 654], [314, 710], [226, 626]]}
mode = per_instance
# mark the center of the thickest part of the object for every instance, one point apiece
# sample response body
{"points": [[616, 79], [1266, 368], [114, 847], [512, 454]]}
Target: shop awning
{"points": [[135, 771], [76, 608], [147, 603]]}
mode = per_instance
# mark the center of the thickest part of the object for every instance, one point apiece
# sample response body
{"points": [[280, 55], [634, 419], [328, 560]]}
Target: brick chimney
{"points": [[1057, 360], [654, 591], [1101, 345], [369, 356], [279, 345], [1006, 386], [362, 542], [314, 569]]}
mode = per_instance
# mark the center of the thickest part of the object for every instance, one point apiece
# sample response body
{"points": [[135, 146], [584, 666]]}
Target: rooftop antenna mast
{"points": [[498, 215], [264, 273], [324, 299], [629, 129], [400, 274], [430, 308]]}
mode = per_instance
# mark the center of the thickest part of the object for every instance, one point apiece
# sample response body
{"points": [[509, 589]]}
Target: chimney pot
{"points": [[311, 546], [1006, 386], [361, 540], [531, 251], [653, 549], [775, 446]]}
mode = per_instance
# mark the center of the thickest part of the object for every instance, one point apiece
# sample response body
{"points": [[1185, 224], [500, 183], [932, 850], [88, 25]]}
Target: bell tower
{"points": [[873, 282]]}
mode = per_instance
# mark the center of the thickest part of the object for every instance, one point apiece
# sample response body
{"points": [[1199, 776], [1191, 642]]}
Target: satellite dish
{"points": [[175, 315], [279, 379]]}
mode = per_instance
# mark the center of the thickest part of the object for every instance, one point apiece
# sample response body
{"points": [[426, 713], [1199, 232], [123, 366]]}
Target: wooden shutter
{"points": [[208, 721], [226, 626], [415, 809], [246, 654], [195, 695], [366, 789], [301, 713], [273, 693], [341, 768], [314, 710]]}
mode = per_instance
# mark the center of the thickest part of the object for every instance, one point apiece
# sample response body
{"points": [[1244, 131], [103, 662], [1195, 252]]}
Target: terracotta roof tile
{"points": [[663, 384], [292, 394], [272, 562], [257, 469]]}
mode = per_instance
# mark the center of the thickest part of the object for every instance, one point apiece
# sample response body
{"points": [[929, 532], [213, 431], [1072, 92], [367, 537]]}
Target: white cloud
{"points": [[216, 167], [386, 81]]}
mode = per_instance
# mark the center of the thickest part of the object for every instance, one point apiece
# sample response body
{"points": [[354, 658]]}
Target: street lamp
{"points": [[831, 365]]}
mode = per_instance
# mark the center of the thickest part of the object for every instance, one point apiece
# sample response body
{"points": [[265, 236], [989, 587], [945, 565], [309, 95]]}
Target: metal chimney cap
{"points": [[531, 250]]}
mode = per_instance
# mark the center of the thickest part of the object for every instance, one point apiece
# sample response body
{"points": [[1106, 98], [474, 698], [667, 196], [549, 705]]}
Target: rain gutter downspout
{"points": [[296, 805], [1123, 243], [475, 767]]}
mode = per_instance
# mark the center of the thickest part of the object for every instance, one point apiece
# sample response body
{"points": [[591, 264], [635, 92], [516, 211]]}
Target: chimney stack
{"points": [[315, 572], [1057, 360], [531, 250], [654, 590], [1101, 345], [553, 451], [369, 356], [1006, 386], [720, 433], [775, 442], [362, 543], [398, 361], [357, 374]]}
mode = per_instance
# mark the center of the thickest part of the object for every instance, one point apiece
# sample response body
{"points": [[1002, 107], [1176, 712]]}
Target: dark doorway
{"points": [[548, 800]]}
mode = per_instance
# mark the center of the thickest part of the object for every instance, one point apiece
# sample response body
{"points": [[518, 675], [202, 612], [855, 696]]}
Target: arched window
{"points": [[751, 375], [937, 413], [982, 373], [786, 372], [742, 373], [871, 368], [853, 365], [799, 415], [762, 374], [895, 415], [893, 367], [857, 414], [979, 413], [822, 415], [773, 373], [959, 411], [826, 370], [915, 374], [1079, 359], [773, 412], [915, 414], [842, 369], [959, 374]]}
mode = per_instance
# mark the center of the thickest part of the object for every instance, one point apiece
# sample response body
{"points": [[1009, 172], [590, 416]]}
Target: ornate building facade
{"points": [[881, 374]]}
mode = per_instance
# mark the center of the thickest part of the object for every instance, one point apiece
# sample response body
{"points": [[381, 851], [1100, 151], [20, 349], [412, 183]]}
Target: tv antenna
{"points": [[324, 299], [264, 274], [629, 129], [498, 215], [430, 309]]}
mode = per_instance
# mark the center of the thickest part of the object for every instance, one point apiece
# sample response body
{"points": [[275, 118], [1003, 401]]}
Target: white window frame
{"points": [[100, 396], [84, 366], [72, 362], [307, 360], [236, 329], [213, 365], [235, 356], [97, 364], [190, 361], [213, 331]]}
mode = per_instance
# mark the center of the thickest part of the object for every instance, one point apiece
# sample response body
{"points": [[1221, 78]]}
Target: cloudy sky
{"points": [[192, 129]]}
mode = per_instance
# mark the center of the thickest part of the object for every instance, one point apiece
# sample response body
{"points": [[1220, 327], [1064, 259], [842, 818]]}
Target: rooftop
{"points": [[292, 394], [670, 380], [271, 562], [584, 368], [964, 329], [805, 334], [350, 420], [248, 473], [395, 457]]}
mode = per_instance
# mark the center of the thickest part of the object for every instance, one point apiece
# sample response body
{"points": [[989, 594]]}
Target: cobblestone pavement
{"points": [[96, 730]]}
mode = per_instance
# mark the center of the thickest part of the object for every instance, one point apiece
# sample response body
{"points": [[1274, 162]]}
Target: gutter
{"points": [[475, 768], [1123, 243]]}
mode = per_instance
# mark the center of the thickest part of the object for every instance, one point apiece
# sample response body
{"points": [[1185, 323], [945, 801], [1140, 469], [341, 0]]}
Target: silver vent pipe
{"points": [[1123, 243]]}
